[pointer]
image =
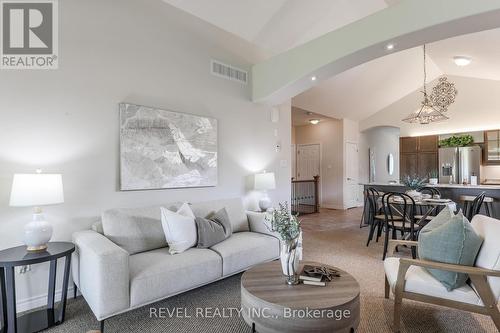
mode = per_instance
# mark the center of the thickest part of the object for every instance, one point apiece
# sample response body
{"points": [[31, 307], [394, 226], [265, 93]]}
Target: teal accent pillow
{"points": [[449, 239]]}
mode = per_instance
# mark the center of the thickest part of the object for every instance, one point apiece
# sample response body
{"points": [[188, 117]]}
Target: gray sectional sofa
{"points": [[123, 263]]}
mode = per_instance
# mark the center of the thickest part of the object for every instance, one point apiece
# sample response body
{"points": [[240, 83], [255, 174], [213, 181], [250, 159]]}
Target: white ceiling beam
{"points": [[407, 24]]}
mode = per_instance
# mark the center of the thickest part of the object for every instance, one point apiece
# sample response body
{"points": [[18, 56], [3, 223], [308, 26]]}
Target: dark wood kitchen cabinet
{"points": [[418, 155], [428, 144], [408, 144], [491, 154], [426, 162], [408, 164]]}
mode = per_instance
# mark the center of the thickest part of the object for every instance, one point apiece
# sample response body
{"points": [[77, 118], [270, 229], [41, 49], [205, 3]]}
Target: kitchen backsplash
{"points": [[490, 172]]}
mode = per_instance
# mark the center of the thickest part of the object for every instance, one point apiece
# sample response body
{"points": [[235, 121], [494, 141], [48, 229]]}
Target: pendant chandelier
{"points": [[434, 106]]}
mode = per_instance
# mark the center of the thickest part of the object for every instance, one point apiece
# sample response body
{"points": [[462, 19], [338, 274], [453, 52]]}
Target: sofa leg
{"points": [[75, 290], [102, 325]]}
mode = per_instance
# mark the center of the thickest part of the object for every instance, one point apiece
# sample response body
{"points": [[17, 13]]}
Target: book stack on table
{"points": [[317, 275]]}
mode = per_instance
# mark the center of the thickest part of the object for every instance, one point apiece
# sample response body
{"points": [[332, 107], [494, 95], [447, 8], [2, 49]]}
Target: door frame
{"points": [[320, 190]]}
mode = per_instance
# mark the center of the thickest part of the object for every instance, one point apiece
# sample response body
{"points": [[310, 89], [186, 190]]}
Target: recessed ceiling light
{"points": [[389, 47], [462, 60], [313, 78], [314, 121]]}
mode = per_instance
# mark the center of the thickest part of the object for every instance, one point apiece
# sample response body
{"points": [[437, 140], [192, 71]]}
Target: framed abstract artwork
{"points": [[161, 149]]}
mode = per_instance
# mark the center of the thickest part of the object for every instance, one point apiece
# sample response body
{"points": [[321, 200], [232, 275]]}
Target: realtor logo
{"points": [[29, 34]]}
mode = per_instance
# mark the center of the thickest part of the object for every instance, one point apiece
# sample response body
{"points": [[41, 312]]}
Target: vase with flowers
{"points": [[415, 184], [287, 226]]}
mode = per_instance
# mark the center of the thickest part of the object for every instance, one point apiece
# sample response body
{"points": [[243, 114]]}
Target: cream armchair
{"points": [[408, 278]]}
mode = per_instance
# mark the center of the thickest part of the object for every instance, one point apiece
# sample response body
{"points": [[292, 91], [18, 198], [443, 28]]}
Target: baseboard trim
{"points": [[34, 302], [332, 207]]}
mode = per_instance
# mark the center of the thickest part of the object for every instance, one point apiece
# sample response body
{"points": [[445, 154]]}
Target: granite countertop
{"points": [[484, 187]]}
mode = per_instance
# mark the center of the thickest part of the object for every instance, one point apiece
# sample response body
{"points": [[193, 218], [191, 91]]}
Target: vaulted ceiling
{"points": [[362, 91], [275, 26], [279, 25]]}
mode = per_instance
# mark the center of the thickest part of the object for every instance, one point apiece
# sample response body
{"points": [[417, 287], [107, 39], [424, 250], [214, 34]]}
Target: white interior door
{"points": [[308, 161], [351, 192]]}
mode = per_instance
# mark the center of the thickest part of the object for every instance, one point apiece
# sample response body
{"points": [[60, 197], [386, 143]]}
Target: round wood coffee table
{"points": [[269, 305]]}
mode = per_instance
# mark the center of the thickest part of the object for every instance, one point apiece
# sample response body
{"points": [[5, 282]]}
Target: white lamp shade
{"points": [[265, 181], [36, 190]]}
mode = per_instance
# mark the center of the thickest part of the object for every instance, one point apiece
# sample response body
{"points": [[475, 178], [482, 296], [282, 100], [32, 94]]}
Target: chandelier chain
{"points": [[425, 73]]}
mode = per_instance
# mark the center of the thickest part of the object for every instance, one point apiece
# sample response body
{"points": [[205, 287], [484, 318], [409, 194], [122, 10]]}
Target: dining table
{"points": [[427, 206]]}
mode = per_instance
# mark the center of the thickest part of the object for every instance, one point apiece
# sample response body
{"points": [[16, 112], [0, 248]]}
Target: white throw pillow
{"points": [[179, 228]]}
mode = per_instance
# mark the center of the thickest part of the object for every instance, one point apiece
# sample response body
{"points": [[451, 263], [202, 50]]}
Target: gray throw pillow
{"points": [[451, 241], [213, 229]]}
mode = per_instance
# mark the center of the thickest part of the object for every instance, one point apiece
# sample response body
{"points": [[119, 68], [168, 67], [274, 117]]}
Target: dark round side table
{"points": [[41, 319]]}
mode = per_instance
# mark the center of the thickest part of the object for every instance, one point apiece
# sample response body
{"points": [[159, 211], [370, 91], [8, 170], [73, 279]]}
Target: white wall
{"points": [[477, 107], [384, 141], [332, 134], [328, 133], [66, 120]]}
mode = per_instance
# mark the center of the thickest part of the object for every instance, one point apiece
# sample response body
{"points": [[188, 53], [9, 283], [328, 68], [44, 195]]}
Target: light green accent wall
{"points": [[408, 24]]}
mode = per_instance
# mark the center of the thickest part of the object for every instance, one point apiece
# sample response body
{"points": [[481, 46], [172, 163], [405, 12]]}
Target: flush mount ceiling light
{"points": [[462, 60], [314, 121], [389, 47], [434, 107]]}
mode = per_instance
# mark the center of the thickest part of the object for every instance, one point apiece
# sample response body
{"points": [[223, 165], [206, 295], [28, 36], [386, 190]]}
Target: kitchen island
{"points": [[450, 191]]}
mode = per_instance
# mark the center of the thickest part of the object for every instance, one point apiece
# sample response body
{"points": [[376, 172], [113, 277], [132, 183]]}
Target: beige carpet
{"points": [[333, 237]]}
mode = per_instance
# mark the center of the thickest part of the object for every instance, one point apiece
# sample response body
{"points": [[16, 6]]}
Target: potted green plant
{"points": [[287, 226], [415, 184], [433, 177], [457, 141]]}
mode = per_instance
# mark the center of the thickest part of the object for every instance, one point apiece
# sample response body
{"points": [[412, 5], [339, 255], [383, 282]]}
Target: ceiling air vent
{"points": [[228, 72]]}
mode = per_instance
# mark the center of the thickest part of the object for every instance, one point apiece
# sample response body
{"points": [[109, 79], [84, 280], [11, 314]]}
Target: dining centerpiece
{"points": [[415, 184], [287, 225]]}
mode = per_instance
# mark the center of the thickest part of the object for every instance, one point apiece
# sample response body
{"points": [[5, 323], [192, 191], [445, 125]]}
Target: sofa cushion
{"points": [[234, 209], [451, 242], [179, 228], [97, 227], [489, 254], [213, 230], [420, 281], [245, 249], [135, 229], [157, 274]]}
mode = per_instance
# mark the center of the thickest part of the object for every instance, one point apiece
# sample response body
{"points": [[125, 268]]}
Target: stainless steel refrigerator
{"points": [[457, 165]]}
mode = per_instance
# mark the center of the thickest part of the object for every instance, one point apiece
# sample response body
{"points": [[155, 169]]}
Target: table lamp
{"points": [[37, 190], [263, 182]]}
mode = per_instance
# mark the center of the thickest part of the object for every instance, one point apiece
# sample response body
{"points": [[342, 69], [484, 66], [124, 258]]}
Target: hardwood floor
{"points": [[330, 219]]}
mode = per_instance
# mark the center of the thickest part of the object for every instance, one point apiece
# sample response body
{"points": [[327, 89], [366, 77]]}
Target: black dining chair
{"points": [[475, 208], [375, 216], [365, 216], [432, 191], [399, 211]]}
